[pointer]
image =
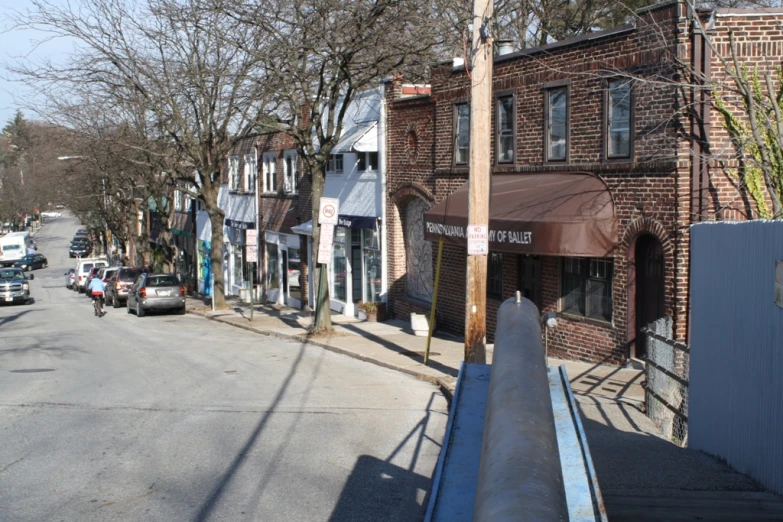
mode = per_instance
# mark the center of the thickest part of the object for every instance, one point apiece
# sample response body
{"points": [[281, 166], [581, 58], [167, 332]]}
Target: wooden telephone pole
{"points": [[480, 73]]}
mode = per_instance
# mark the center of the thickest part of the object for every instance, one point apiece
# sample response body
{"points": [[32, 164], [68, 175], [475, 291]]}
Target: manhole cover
{"points": [[409, 353], [33, 370]]}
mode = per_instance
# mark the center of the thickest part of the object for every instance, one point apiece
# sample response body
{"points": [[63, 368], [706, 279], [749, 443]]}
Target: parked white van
{"points": [[83, 267], [13, 247]]}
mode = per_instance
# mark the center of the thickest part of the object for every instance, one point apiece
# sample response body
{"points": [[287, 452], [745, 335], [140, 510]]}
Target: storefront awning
{"points": [[360, 199], [362, 137], [559, 214]]}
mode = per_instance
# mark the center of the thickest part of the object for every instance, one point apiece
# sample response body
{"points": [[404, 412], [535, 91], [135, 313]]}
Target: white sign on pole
{"points": [[251, 246], [251, 254], [329, 211], [478, 240], [325, 244]]}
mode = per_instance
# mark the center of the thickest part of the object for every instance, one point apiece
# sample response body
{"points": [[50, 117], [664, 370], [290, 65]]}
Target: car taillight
{"points": [[181, 290], [80, 278], [143, 292], [117, 286]]}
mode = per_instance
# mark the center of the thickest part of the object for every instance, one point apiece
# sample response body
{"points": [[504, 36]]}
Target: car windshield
{"points": [[87, 267], [129, 275], [166, 280], [28, 258], [10, 275], [8, 248]]}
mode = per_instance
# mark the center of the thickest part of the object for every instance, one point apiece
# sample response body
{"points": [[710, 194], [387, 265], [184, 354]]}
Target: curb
{"points": [[445, 385]]}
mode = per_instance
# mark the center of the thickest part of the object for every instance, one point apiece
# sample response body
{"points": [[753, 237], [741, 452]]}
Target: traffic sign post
{"points": [[329, 211], [327, 218], [478, 240]]}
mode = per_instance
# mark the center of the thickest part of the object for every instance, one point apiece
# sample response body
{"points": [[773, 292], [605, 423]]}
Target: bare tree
{"points": [[168, 66], [317, 55]]}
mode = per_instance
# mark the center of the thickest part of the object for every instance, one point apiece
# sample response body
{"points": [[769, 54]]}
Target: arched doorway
{"points": [[418, 252], [649, 286]]}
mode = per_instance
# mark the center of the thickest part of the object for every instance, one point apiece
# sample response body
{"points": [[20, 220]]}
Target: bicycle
{"points": [[97, 304]]}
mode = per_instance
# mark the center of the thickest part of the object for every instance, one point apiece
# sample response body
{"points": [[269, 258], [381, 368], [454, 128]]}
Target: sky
{"points": [[13, 45]]}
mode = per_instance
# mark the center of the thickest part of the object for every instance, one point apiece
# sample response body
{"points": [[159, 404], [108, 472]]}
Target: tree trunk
{"points": [[216, 217], [323, 313], [216, 257]]}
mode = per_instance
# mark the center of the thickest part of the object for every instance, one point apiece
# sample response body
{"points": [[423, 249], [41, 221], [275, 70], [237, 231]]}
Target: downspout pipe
{"points": [[520, 475]]}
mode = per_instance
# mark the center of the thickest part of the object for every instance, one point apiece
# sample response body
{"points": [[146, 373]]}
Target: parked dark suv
{"points": [[117, 287]]}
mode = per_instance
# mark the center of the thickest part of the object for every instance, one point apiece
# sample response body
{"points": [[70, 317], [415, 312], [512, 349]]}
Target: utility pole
{"points": [[479, 66]]}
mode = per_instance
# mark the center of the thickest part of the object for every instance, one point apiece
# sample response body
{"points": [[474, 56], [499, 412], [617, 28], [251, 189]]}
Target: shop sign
{"points": [[328, 215], [325, 244], [478, 240]]}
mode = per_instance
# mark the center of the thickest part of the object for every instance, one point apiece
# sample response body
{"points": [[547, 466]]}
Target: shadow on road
{"points": [[380, 490], [211, 502], [11, 318]]}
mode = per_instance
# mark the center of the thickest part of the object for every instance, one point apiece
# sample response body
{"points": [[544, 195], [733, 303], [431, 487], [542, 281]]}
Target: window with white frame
{"points": [[368, 161], [233, 173], [290, 172], [270, 184], [335, 164], [250, 172], [188, 202], [177, 200]]}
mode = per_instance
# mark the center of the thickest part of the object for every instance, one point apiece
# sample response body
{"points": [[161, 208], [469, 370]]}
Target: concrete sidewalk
{"points": [[392, 344]]}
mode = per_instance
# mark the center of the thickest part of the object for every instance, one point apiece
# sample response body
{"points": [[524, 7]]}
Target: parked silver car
{"points": [[70, 278], [156, 292]]}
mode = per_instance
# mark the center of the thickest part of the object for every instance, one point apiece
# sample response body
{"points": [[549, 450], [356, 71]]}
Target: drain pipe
{"points": [[520, 475]]}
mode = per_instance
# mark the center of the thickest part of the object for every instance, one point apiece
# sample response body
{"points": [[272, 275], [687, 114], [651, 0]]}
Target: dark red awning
{"points": [[557, 214]]}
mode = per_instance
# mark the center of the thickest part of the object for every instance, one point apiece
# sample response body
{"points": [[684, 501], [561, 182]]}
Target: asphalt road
{"points": [[178, 418]]}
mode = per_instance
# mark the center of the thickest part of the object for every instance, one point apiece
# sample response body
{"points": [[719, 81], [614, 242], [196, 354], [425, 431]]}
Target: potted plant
{"points": [[369, 309]]}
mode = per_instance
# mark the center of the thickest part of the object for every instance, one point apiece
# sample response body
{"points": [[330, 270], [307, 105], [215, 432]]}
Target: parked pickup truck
{"points": [[14, 286]]}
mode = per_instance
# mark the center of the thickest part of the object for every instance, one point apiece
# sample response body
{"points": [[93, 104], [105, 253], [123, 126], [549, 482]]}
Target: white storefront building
{"points": [[356, 177]]}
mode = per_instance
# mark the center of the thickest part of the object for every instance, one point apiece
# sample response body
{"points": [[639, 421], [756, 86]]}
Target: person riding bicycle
{"points": [[97, 289]]}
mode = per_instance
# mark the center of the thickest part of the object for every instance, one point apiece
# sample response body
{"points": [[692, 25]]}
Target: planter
{"points": [[381, 312], [420, 324]]}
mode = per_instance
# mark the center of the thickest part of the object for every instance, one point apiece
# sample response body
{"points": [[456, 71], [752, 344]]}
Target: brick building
{"points": [[604, 152], [284, 202]]}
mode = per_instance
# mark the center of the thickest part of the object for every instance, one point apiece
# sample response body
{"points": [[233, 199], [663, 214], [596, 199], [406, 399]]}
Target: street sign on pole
{"points": [[330, 208], [251, 246], [325, 244], [478, 240]]}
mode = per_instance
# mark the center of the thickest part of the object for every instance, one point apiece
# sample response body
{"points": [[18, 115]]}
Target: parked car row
{"points": [[135, 287]]}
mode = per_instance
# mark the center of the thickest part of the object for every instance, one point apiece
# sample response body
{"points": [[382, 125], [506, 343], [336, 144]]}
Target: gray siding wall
{"points": [[736, 367]]}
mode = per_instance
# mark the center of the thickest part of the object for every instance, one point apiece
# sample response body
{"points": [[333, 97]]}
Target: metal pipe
{"points": [[520, 476]]}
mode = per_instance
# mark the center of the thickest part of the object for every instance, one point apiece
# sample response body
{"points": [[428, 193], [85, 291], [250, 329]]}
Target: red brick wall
{"points": [[758, 46], [280, 212], [648, 191]]}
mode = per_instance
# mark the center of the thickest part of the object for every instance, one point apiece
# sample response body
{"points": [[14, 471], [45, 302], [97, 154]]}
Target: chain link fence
{"points": [[666, 386]]}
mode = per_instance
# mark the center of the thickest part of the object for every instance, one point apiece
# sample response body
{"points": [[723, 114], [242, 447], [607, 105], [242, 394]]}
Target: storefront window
{"points": [[586, 287], [372, 266], [294, 265], [272, 264], [238, 271], [339, 266]]}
